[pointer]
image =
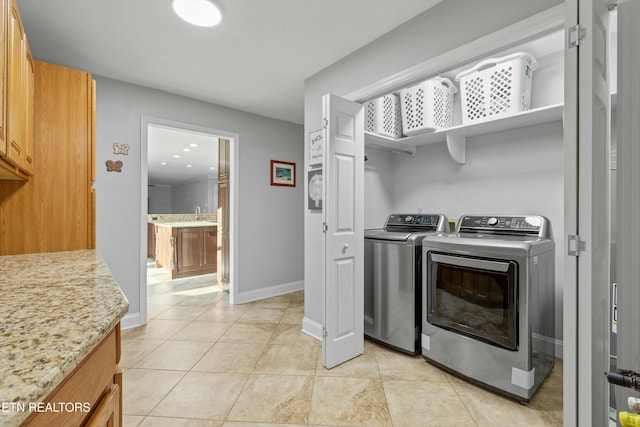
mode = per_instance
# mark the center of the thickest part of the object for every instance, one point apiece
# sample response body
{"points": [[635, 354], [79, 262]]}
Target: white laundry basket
{"points": [[496, 87], [383, 116], [427, 106]]}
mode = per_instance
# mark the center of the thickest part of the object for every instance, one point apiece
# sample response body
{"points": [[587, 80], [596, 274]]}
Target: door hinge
{"points": [[324, 227], [576, 33], [324, 332], [575, 245], [325, 123]]}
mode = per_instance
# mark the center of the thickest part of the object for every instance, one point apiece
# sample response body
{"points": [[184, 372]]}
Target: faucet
{"points": [[197, 212]]}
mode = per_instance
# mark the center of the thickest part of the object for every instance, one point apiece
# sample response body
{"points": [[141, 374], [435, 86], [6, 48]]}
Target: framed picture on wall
{"points": [[314, 198], [283, 173]]}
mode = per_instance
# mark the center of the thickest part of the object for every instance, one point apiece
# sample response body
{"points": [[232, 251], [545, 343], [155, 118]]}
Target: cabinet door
{"points": [[29, 123], [189, 248], [223, 160], [210, 243], [3, 76], [15, 89], [223, 233], [108, 410]]}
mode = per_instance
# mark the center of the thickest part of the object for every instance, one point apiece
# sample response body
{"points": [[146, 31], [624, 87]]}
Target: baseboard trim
{"points": [[131, 320], [271, 291], [311, 328]]}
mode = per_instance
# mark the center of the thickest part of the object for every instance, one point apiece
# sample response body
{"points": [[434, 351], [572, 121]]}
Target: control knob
{"points": [[492, 221], [408, 218]]}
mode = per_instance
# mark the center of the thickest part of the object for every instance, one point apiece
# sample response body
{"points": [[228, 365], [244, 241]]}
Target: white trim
{"points": [[542, 23], [271, 291], [144, 172], [524, 379], [131, 320], [311, 328]]}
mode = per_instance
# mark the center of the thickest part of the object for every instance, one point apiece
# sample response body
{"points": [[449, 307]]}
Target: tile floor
{"points": [[203, 362]]}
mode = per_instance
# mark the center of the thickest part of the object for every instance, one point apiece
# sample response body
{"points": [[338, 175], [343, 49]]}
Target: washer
{"points": [[488, 302], [392, 279]]}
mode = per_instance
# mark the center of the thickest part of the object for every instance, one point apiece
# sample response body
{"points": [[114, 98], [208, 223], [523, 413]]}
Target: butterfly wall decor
{"points": [[114, 166], [120, 148]]}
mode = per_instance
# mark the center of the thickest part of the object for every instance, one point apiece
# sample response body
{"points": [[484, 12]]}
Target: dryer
{"points": [[488, 301]]}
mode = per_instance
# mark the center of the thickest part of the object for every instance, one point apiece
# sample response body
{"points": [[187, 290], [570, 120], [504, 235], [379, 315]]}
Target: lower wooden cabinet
{"points": [[186, 251], [93, 389]]}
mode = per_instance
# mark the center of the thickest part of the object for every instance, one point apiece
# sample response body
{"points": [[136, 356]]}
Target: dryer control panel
{"points": [[501, 223]]}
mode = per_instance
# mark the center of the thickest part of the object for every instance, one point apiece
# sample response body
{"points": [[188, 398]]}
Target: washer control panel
{"points": [[418, 221], [528, 224]]}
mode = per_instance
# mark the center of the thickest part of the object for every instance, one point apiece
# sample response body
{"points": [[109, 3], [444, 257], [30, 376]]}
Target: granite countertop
{"points": [[188, 224], [54, 309]]}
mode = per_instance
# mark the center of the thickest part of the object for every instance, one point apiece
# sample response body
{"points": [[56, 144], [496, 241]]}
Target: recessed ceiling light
{"points": [[186, 149], [212, 168], [176, 156], [163, 163], [193, 145], [188, 166], [202, 13]]}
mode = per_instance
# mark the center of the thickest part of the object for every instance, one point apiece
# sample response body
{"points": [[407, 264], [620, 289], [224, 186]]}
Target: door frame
{"points": [[144, 194]]}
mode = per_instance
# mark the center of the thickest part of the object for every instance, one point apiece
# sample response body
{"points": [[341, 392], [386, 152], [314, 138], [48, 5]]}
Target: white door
{"points": [[343, 216], [587, 150], [628, 196]]}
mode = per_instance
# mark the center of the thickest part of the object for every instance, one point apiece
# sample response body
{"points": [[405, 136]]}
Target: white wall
{"points": [[186, 196], [270, 219], [446, 26], [159, 199]]}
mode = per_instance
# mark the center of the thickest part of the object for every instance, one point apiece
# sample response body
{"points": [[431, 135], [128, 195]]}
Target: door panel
{"points": [[343, 215]]}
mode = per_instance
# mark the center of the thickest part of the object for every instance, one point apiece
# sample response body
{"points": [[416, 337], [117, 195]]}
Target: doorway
{"points": [[180, 174]]}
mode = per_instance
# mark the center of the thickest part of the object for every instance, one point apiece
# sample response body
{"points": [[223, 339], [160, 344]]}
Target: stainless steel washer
{"points": [[392, 279]]}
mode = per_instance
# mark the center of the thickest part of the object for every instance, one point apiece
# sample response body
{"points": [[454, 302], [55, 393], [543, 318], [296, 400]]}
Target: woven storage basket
{"points": [[496, 87], [427, 106], [383, 116]]}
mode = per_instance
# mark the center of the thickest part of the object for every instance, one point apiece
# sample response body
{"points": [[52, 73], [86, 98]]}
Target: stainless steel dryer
{"points": [[392, 279], [488, 302]]}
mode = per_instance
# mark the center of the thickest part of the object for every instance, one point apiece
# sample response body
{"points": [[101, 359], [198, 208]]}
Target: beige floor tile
{"points": [[156, 329], [399, 366], [349, 402], [249, 332], [288, 360], [143, 389], [259, 314], [154, 310], [178, 422], [363, 366], [131, 420], [181, 312], [281, 301], [133, 350], [251, 424], [290, 333], [274, 399], [202, 395], [199, 330], [175, 355], [425, 403], [490, 409], [294, 315], [231, 357], [223, 313]]}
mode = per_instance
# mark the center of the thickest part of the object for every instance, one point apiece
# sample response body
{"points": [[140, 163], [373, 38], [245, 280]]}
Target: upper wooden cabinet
{"points": [[54, 210], [3, 76], [16, 133]]}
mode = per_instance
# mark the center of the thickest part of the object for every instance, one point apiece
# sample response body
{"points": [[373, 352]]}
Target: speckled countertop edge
{"points": [[55, 308]]}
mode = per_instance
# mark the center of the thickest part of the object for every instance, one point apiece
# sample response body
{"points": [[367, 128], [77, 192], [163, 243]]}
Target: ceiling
{"points": [[256, 60], [198, 155]]}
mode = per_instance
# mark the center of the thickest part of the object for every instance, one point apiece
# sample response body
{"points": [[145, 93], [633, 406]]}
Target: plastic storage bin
{"points": [[496, 87], [427, 106], [383, 116]]}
